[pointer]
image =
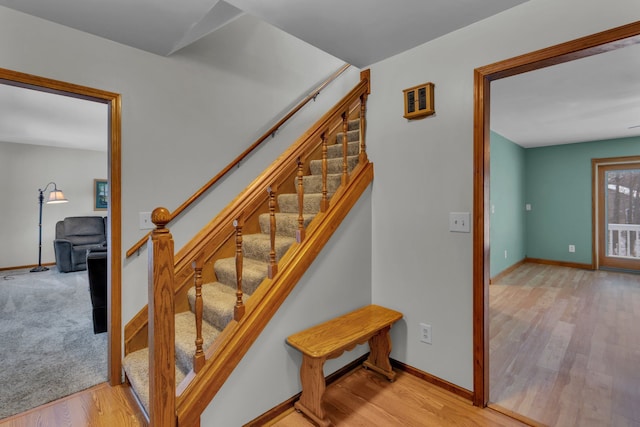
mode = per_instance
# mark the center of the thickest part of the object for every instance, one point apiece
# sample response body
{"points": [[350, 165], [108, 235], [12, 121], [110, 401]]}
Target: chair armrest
{"points": [[62, 249]]}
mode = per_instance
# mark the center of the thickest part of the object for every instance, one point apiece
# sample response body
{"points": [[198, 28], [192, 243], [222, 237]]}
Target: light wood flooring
{"points": [[99, 406], [565, 345], [364, 398]]}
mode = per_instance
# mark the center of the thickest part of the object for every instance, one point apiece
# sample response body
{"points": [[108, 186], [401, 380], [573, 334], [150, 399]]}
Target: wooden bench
{"points": [[332, 338]]}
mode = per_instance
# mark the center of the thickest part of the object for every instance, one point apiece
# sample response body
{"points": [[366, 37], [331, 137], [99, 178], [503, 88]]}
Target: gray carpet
{"points": [[47, 346]]}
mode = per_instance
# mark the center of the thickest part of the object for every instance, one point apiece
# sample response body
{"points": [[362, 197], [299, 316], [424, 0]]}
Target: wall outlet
{"points": [[572, 248], [527, 207], [459, 222], [425, 333], [505, 254]]}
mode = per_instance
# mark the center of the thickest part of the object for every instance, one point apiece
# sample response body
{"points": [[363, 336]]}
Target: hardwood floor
{"points": [[364, 398], [565, 345], [361, 398], [99, 406]]}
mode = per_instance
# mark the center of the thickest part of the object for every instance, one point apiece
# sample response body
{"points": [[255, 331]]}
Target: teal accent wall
{"points": [[507, 192], [558, 187]]}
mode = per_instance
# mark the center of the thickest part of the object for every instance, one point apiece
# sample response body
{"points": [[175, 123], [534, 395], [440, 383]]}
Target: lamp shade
{"points": [[56, 196]]}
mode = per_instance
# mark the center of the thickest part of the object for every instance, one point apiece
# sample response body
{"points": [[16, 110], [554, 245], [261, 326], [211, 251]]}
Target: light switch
{"points": [[145, 221], [459, 222]]}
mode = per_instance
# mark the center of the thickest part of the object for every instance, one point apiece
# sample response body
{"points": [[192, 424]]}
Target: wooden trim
{"points": [[114, 272], [526, 420], [586, 46], [599, 167], [439, 382], [21, 267], [242, 156], [506, 271], [560, 263], [481, 260], [279, 410]]}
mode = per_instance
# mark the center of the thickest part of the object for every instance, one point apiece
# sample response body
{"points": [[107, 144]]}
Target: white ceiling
{"points": [[589, 99], [40, 118], [559, 104]]}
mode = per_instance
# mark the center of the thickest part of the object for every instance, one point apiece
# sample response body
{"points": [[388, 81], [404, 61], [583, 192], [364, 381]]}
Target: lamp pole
{"points": [[40, 267], [55, 196]]}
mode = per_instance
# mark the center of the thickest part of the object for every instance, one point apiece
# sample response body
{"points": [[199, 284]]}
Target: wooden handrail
{"points": [[242, 156], [235, 340]]}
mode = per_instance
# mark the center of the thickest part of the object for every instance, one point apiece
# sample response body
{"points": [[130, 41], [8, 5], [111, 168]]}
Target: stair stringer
{"points": [[238, 336]]}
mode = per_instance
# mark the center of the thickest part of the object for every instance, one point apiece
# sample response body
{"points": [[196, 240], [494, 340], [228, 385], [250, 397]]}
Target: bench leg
{"points": [[313, 386], [380, 349]]}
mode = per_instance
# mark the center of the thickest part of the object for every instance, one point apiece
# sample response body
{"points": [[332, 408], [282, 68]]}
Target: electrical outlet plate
{"points": [[425, 333], [572, 248], [459, 222]]}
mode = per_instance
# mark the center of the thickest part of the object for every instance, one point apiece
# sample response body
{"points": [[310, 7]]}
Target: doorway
{"points": [[616, 190], [580, 48], [114, 263]]}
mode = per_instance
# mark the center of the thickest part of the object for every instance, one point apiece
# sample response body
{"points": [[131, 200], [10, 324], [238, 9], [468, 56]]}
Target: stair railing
{"points": [[270, 133], [167, 276]]}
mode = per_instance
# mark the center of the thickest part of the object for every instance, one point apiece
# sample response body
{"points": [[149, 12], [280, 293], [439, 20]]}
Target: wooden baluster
{"points": [[273, 266], [324, 203], [345, 148], [363, 124], [300, 231], [198, 357], [238, 310], [161, 329]]}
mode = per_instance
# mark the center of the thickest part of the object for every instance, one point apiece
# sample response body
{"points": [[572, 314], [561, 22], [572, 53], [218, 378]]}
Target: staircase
{"points": [[243, 271]]}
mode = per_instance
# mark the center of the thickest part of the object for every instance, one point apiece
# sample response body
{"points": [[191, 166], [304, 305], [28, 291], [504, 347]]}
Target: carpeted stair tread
{"points": [[335, 150], [286, 223], [333, 165], [253, 273], [288, 203], [136, 365], [354, 124], [313, 183], [218, 302], [258, 246], [352, 135], [185, 324]]}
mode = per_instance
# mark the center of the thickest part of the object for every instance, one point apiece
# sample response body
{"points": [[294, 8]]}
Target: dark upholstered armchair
{"points": [[74, 236]]}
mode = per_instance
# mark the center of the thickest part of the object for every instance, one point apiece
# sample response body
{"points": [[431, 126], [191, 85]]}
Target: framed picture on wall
{"points": [[100, 194]]}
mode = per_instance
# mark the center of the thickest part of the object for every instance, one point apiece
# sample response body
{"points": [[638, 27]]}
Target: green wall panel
{"points": [[507, 191], [558, 187]]}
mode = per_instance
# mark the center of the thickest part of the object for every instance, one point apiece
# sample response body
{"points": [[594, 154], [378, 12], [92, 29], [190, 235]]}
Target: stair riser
{"points": [[288, 203], [335, 151], [352, 135], [334, 166], [253, 274], [258, 246], [286, 225], [313, 183]]}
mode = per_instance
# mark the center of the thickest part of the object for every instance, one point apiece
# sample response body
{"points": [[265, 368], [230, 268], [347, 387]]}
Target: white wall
{"points": [[424, 171], [184, 118], [24, 169], [337, 282]]}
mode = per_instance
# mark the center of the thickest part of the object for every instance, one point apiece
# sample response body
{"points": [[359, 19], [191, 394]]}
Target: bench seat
{"points": [[330, 339]]}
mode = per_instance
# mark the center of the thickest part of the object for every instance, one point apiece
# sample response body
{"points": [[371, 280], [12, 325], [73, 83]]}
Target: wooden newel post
{"points": [[162, 377]]}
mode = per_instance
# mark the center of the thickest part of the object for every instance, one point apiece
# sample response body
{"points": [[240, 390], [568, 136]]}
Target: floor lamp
{"points": [[55, 196]]}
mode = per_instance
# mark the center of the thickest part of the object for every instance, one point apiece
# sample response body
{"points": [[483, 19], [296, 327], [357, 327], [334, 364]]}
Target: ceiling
{"points": [[549, 106], [588, 99]]}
